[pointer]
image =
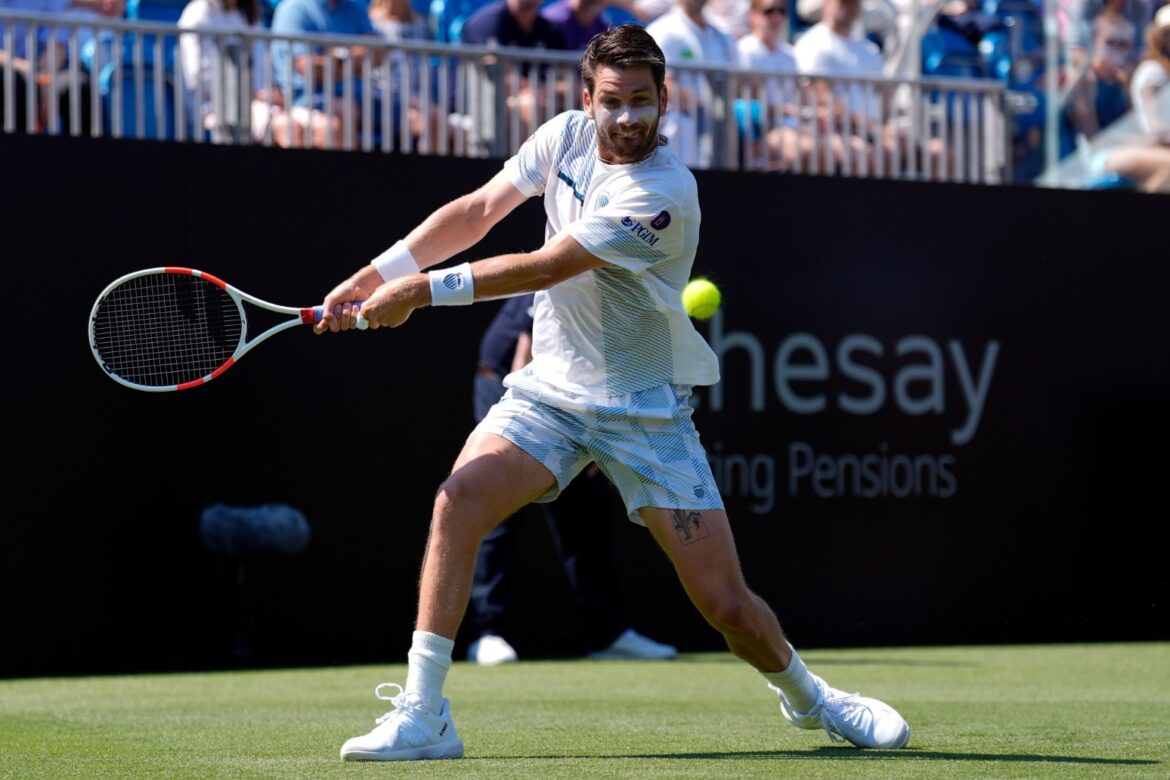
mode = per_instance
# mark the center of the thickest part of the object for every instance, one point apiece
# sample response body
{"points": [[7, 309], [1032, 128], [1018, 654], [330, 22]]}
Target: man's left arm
{"points": [[502, 276]]}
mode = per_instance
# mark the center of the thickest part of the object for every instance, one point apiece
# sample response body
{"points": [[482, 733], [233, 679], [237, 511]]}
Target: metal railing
{"points": [[126, 79]]}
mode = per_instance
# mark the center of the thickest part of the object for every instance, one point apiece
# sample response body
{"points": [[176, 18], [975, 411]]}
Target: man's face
{"points": [[627, 106], [843, 13], [525, 11], [1113, 44]]}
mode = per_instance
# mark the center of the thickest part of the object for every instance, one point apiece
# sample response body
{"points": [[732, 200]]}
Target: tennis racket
{"points": [[163, 329]]}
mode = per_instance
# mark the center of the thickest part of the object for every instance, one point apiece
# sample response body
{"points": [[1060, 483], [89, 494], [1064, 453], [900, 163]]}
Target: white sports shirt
{"points": [[621, 328]]}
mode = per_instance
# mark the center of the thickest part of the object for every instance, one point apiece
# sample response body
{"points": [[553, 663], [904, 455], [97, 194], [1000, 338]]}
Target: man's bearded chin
{"points": [[641, 152]]}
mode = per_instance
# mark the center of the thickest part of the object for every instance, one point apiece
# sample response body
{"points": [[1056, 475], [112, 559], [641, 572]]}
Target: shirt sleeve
{"points": [[194, 16], [635, 230], [529, 168]]}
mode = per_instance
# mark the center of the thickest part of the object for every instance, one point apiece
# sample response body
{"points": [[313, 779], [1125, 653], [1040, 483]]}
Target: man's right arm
{"points": [[449, 230], [463, 222]]}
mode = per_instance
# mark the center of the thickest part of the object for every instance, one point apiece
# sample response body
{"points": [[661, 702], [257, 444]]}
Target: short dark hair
{"points": [[625, 46]]}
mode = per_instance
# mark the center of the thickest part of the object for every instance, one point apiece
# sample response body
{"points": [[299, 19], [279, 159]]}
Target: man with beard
{"points": [[614, 360]]}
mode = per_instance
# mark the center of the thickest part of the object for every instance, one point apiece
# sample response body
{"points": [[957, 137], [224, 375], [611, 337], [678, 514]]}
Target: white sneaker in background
{"points": [[632, 646], [860, 720], [409, 732], [491, 650]]}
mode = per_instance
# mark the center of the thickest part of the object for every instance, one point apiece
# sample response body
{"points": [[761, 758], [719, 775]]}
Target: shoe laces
{"points": [[401, 705], [844, 706]]}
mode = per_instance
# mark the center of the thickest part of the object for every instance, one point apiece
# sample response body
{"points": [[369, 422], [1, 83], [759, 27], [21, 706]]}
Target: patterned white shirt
{"points": [[621, 328]]}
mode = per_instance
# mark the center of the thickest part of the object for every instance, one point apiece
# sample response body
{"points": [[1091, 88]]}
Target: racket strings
{"points": [[166, 329]]}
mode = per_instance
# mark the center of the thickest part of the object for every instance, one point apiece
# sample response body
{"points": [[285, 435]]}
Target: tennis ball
{"points": [[701, 298]]}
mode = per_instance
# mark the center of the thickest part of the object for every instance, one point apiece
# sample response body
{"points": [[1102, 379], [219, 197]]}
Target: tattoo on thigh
{"points": [[689, 525]]}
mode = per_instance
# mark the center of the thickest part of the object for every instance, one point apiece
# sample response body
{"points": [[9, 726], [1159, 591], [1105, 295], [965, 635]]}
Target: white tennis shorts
{"points": [[644, 442]]}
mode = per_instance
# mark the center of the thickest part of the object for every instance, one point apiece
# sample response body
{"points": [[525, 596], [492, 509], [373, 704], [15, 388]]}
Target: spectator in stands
{"points": [[831, 47], [851, 119], [515, 23], [770, 129], [766, 48], [1152, 77], [856, 117], [198, 56], [318, 115], [1100, 94], [730, 16], [580, 521], [878, 20], [685, 35], [397, 20], [98, 9], [577, 21], [1138, 12], [1147, 163], [35, 69], [511, 23]]}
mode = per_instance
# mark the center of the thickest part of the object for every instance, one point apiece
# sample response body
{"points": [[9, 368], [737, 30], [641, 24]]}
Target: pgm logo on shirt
{"points": [[454, 281], [640, 230], [661, 221]]}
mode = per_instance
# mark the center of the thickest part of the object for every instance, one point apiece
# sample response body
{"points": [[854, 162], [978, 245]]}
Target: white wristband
{"points": [[395, 262], [452, 286]]}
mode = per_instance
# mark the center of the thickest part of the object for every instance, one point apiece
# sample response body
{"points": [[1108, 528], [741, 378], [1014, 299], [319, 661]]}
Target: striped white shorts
{"points": [[644, 442]]}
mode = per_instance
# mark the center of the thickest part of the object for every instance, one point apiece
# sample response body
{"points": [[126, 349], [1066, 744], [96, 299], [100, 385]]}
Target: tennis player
{"points": [[614, 360]]}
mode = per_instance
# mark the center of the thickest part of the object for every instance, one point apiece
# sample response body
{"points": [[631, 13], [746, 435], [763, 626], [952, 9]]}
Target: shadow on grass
{"points": [[905, 754], [812, 659]]}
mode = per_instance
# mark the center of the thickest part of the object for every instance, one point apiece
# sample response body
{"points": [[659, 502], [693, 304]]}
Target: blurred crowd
{"points": [[1115, 58]]}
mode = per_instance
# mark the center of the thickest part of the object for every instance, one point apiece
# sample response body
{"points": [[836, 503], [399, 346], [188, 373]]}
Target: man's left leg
{"points": [[700, 545]]}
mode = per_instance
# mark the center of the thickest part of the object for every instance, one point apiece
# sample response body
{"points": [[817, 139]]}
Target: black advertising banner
{"points": [[942, 415]]}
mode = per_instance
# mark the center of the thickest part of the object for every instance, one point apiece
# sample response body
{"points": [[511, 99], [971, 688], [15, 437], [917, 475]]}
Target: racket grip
{"points": [[362, 323]]}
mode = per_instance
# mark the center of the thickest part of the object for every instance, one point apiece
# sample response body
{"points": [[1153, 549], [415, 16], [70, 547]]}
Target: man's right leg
{"points": [[491, 479]]}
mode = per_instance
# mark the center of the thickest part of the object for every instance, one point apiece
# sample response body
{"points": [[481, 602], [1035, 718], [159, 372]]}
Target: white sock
{"points": [[427, 664], [798, 685]]}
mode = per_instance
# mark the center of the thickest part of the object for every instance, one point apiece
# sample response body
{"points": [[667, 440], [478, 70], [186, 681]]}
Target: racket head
{"points": [[169, 328]]}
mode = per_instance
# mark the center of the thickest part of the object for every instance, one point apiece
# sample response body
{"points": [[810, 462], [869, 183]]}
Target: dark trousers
{"points": [[19, 95], [20, 89], [581, 527]]}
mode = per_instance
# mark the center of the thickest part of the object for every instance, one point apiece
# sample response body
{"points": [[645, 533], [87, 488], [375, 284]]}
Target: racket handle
{"points": [[362, 323]]}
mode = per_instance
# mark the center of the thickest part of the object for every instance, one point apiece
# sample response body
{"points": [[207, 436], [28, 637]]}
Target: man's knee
{"points": [[728, 607], [459, 510]]}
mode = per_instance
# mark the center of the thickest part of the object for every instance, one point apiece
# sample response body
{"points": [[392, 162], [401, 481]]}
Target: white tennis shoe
{"points": [[632, 646], [491, 650], [409, 732], [850, 717]]}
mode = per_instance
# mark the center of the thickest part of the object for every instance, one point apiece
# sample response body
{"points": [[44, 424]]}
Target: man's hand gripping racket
{"points": [[163, 329]]}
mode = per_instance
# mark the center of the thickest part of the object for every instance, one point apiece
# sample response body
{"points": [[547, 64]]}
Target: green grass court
{"points": [[1057, 711]]}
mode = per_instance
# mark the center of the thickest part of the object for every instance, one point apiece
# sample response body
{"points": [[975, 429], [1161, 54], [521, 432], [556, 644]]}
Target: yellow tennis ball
{"points": [[701, 298]]}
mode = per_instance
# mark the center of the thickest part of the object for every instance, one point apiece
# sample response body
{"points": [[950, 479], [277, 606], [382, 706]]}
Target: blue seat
{"points": [[105, 42], [1025, 22], [619, 16], [155, 10], [946, 53], [449, 16], [996, 50]]}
